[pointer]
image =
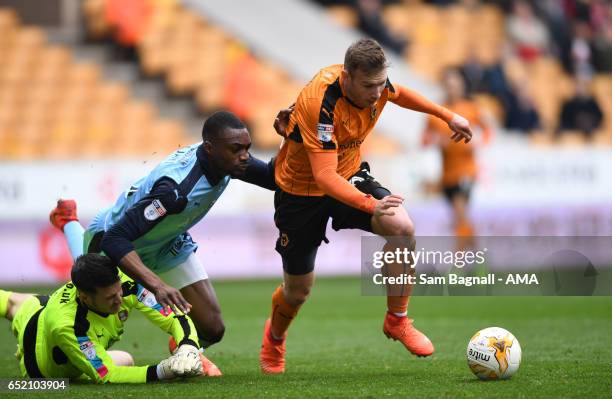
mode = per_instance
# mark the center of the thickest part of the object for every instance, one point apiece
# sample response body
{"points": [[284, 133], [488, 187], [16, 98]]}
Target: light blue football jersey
{"points": [[189, 193]]}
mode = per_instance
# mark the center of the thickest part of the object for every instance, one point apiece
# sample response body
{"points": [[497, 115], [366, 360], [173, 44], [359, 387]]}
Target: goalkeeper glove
{"points": [[164, 371], [186, 362]]}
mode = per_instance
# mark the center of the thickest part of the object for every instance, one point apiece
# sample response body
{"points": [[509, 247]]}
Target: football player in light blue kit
{"points": [[146, 230]]}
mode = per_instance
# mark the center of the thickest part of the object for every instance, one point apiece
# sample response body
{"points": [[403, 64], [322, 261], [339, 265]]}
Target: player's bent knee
{"points": [[121, 358], [405, 229], [15, 301], [402, 230], [212, 333]]}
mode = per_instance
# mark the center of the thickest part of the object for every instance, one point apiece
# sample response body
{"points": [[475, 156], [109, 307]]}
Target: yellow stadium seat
{"points": [[84, 74], [571, 139], [9, 21], [112, 94], [541, 139], [167, 136], [94, 12], [398, 19], [344, 16], [29, 37], [380, 145], [135, 112], [263, 133]]}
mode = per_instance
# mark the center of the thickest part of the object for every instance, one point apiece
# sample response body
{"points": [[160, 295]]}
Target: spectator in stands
{"points": [[527, 32], [521, 114], [602, 47], [370, 22], [441, 3], [489, 79], [581, 113], [599, 14], [553, 13], [576, 53]]}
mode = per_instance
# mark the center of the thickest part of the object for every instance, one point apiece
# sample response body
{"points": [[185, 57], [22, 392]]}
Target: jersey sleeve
{"points": [[259, 173], [410, 99], [315, 122], [164, 199], [487, 132], [181, 327], [324, 170], [90, 357]]}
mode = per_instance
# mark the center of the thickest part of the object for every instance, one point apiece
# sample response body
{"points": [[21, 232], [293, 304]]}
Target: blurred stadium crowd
{"points": [[540, 68]]}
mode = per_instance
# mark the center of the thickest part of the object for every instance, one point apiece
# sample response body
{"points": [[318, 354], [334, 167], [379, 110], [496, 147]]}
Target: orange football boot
{"points": [[400, 328], [272, 355], [65, 211]]}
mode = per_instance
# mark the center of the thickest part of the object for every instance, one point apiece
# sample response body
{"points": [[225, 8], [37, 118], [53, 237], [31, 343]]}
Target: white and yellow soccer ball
{"points": [[493, 353]]}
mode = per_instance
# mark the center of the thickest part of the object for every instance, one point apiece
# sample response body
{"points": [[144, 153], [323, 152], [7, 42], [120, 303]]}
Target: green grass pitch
{"points": [[336, 348]]}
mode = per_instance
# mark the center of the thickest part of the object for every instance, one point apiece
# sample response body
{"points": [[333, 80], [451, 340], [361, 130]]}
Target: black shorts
{"points": [[302, 221], [463, 188]]}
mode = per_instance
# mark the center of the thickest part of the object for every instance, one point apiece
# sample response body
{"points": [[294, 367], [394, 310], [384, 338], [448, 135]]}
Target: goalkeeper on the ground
{"points": [[67, 334]]}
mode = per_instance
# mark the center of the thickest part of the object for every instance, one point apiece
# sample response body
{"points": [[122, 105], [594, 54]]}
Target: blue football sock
{"points": [[73, 231]]}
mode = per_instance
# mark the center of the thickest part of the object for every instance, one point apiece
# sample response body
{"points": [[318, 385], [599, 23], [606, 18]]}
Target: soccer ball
{"points": [[493, 353]]}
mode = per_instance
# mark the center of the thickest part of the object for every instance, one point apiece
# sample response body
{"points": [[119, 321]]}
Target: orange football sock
{"points": [[398, 295], [398, 305], [282, 313], [464, 229], [465, 236]]}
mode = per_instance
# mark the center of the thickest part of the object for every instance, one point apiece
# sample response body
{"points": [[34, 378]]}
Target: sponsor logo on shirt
{"points": [[351, 144], [89, 351], [148, 299], [324, 132], [154, 211]]}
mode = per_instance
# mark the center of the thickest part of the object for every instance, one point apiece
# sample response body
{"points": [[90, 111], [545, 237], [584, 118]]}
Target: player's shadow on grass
{"points": [[474, 380]]}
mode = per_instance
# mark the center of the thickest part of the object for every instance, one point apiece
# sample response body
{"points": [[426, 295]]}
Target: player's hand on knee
{"points": [[461, 129], [186, 361], [168, 296], [385, 206]]}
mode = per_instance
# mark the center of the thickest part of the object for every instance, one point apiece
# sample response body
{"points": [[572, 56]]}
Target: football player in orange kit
{"points": [[459, 168], [332, 116]]}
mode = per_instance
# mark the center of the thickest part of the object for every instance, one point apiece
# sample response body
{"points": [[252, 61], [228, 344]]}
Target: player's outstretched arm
{"points": [[164, 199], [90, 357], [186, 360], [324, 169], [180, 326], [410, 99], [259, 173], [166, 295]]}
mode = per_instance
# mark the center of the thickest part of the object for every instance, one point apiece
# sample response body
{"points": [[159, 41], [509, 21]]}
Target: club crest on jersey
{"points": [[324, 132], [123, 315], [154, 211], [373, 112], [284, 240]]}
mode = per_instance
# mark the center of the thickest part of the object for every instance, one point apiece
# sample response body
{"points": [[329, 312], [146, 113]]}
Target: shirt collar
{"points": [[213, 177], [90, 309]]}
